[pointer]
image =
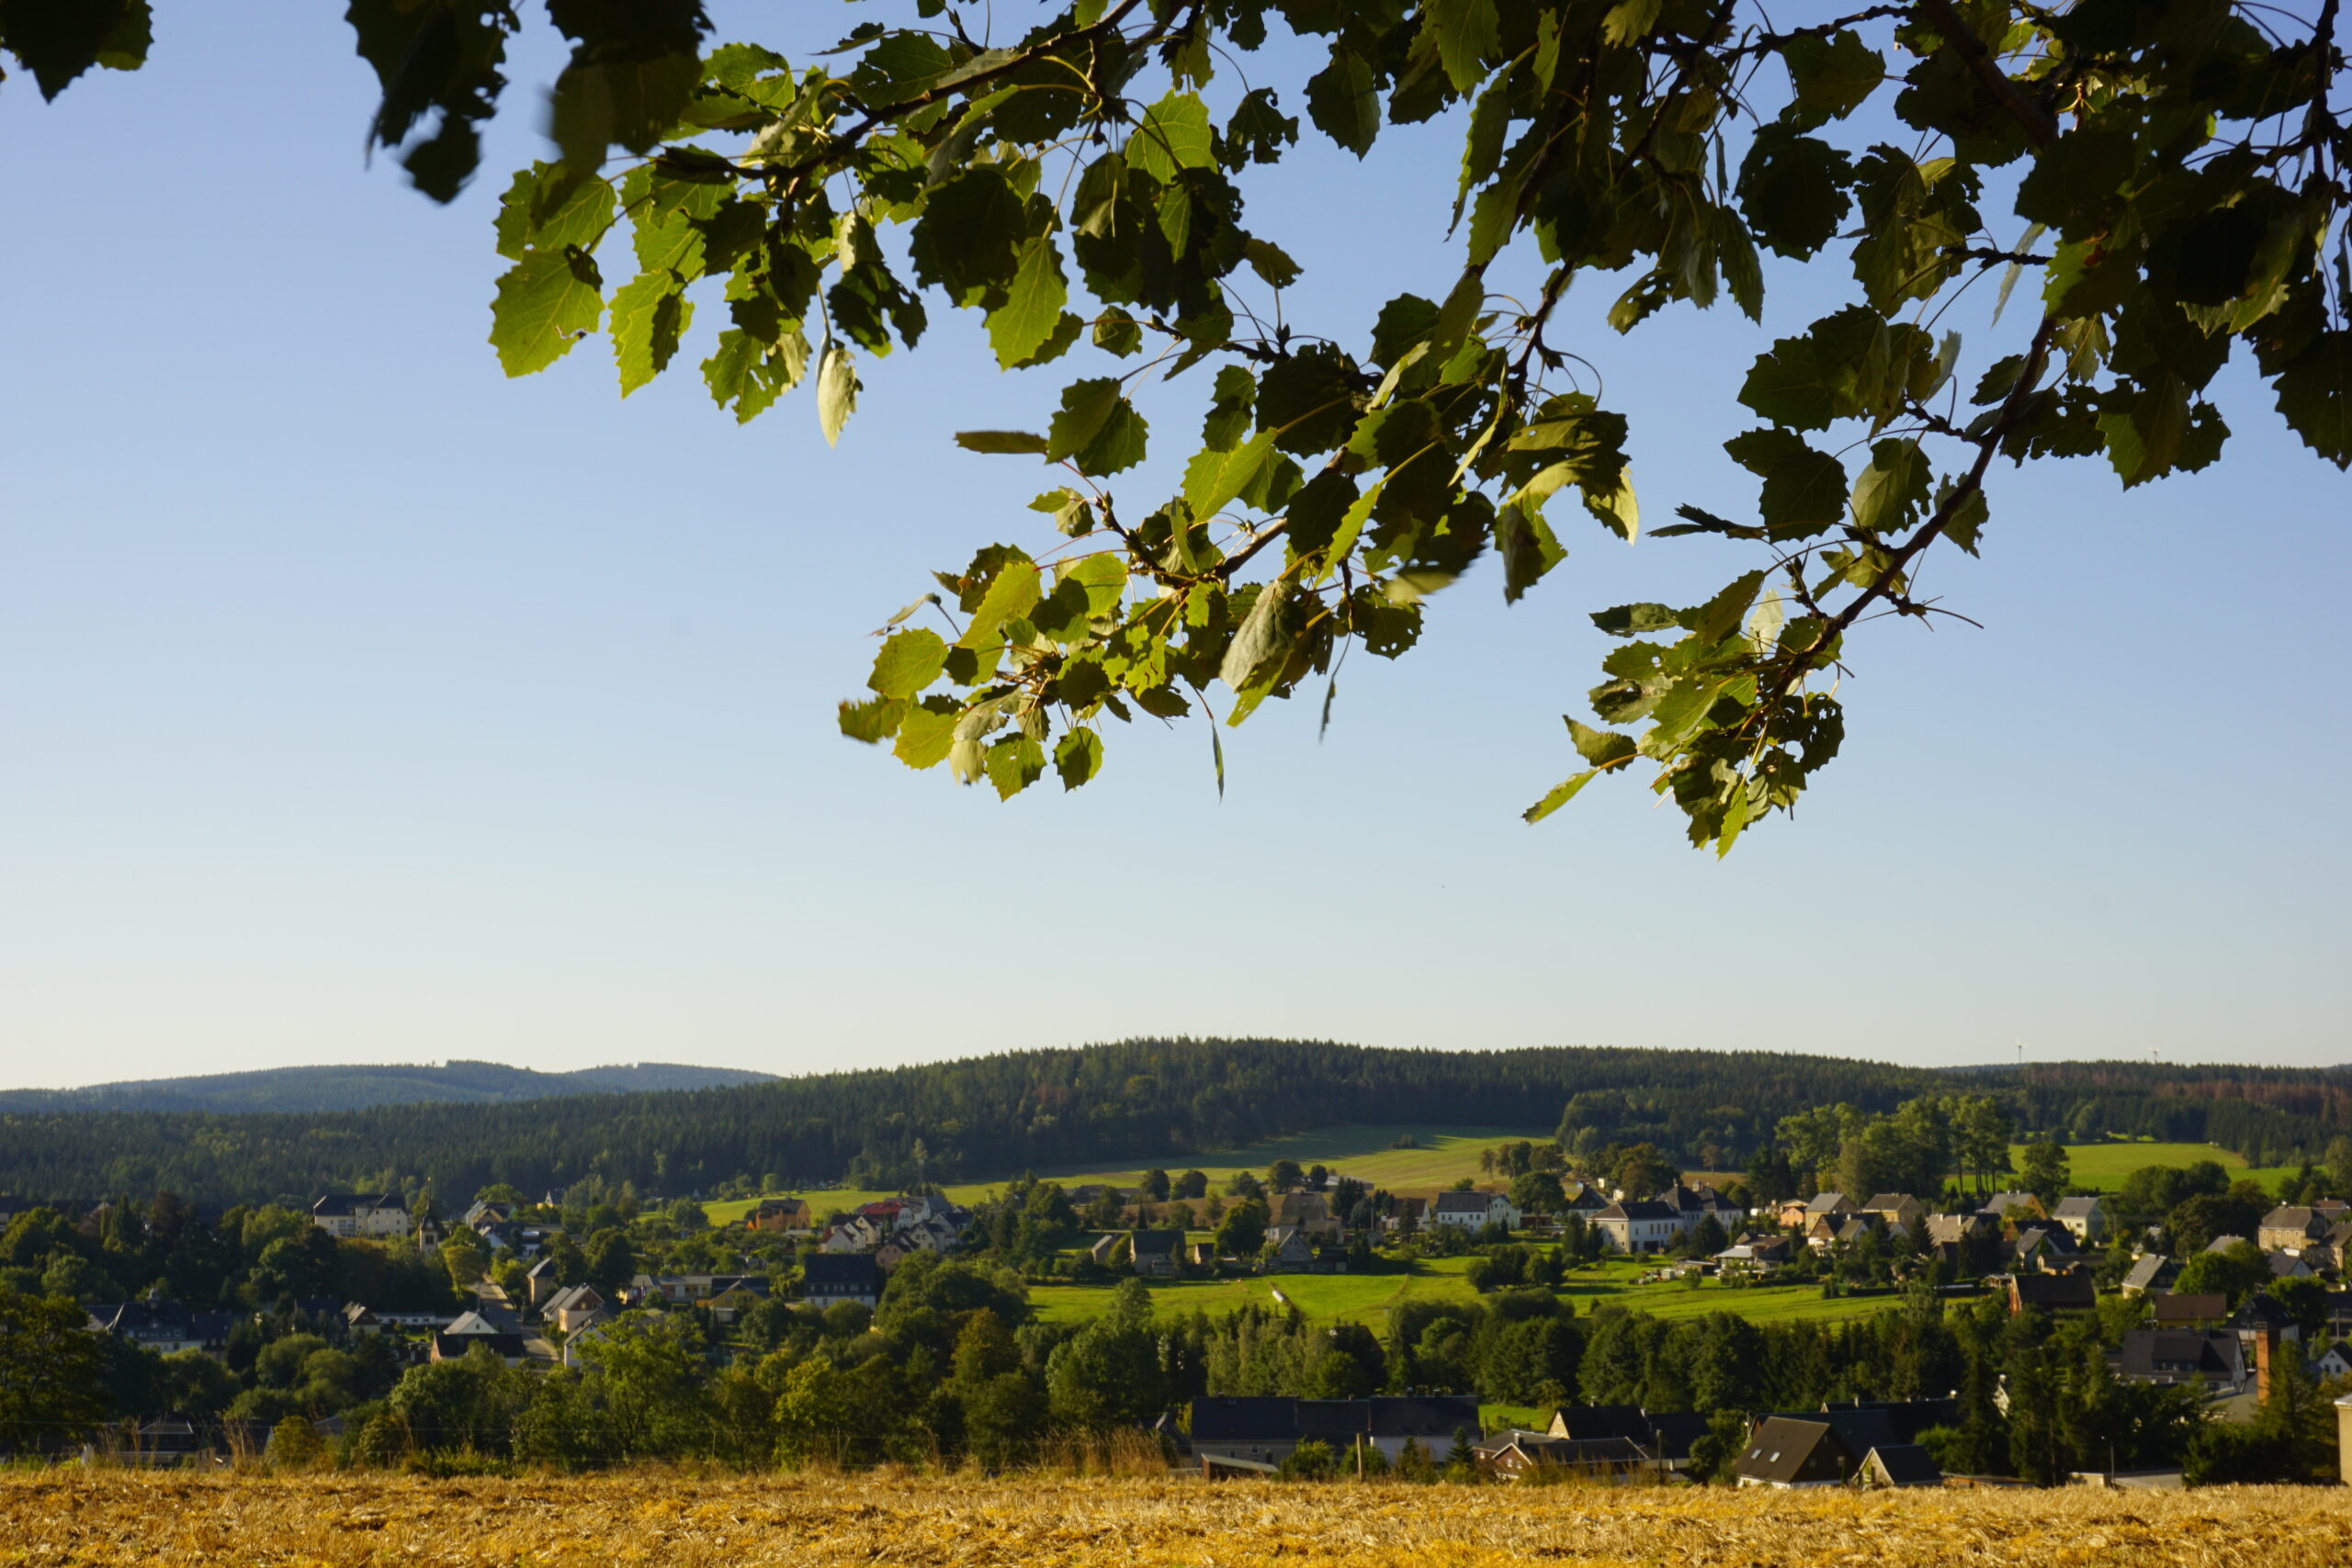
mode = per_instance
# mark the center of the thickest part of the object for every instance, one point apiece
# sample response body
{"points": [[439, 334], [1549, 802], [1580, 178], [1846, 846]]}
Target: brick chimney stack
{"points": [[2266, 1345]]}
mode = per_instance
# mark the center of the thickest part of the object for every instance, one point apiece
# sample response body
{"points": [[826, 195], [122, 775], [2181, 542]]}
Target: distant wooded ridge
{"points": [[1132, 1103], [358, 1088]]}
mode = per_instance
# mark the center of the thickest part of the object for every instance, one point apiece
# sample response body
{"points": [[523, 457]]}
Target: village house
{"points": [[2167, 1310], [1662, 1436], [2084, 1220], [2288, 1266], [361, 1215], [2001, 1206], [452, 1346], [2052, 1293], [1513, 1454], [1260, 1433], [1307, 1211], [1473, 1211], [2153, 1272], [1753, 1254], [1862, 1443], [1638, 1226], [828, 1277], [2290, 1229], [1154, 1252], [1899, 1212], [1956, 1230], [573, 1307], [1405, 1215], [781, 1216], [164, 1327], [1288, 1250], [2212, 1361]]}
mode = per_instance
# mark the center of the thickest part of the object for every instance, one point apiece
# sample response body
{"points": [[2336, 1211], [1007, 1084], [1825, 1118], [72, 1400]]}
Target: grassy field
{"points": [[1366, 1298], [1446, 1154], [923, 1520], [2106, 1164]]}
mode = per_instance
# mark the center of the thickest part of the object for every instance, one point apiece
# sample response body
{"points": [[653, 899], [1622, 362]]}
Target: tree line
{"points": [[1135, 1101]]}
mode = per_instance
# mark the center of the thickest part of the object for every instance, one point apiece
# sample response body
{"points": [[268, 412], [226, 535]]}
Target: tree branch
{"points": [[2039, 124]]}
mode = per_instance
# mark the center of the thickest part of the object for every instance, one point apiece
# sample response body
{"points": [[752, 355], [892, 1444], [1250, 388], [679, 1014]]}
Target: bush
{"points": [[1311, 1461]]}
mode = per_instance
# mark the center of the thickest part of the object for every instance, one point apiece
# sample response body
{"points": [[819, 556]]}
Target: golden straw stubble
{"points": [[74, 1518]]}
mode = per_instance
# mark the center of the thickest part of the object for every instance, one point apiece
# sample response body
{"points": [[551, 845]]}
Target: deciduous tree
{"points": [[2134, 191]]}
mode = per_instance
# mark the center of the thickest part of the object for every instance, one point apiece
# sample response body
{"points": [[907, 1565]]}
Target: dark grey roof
{"points": [[2055, 1291], [1464, 1202], [1156, 1244], [1603, 1421], [2179, 1352], [1673, 1431], [339, 1205], [841, 1272], [1422, 1415], [1227, 1419], [451, 1345], [1780, 1446], [1640, 1209], [2148, 1271], [1909, 1464], [1904, 1419], [2261, 1311]]}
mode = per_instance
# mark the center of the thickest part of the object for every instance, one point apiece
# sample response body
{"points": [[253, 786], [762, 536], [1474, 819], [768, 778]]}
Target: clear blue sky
{"points": [[359, 705]]}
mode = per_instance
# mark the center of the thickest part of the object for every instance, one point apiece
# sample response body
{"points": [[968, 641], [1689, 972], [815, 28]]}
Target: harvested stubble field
{"points": [[79, 1518]]}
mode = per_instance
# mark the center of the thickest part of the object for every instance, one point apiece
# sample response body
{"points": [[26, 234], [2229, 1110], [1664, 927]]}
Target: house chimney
{"points": [[2264, 1343]]}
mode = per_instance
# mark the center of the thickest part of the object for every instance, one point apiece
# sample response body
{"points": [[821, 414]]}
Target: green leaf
{"points": [[1173, 135], [649, 315], [1011, 594], [630, 97], [1272, 263], [1078, 758], [544, 210], [872, 721], [1115, 333], [1831, 76], [1891, 491], [1104, 576], [1213, 479], [1601, 748], [1793, 192], [1634, 620], [546, 303], [1343, 100], [1467, 32], [1262, 644], [1002, 442], [907, 662], [1630, 20], [836, 390], [1014, 765], [1482, 146], [2315, 395], [1033, 306], [1721, 615], [742, 373], [1560, 795], [1804, 489], [926, 733], [1529, 548], [1097, 428]]}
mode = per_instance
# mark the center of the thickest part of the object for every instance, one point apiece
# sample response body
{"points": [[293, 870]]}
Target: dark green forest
{"points": [[1135, 1101]]}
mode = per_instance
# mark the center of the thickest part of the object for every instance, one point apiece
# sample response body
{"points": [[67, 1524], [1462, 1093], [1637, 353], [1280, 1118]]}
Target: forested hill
{"points": [[356, 1088], [1133, 1102]]}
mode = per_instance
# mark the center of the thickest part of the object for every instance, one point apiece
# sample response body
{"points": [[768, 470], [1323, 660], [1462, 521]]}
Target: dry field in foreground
{"points": [[106, 1519]]}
